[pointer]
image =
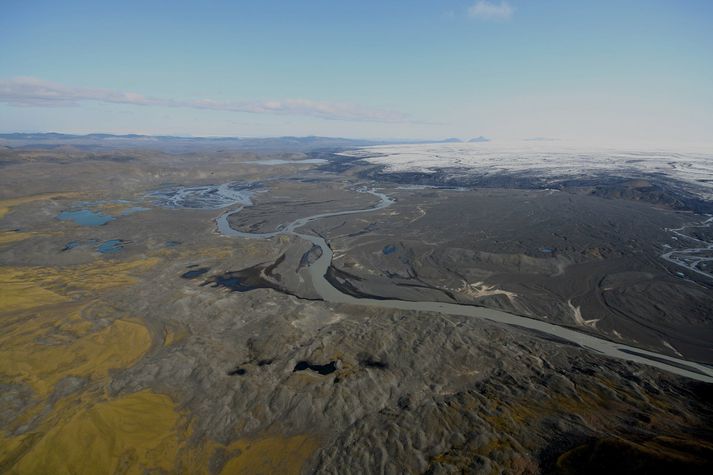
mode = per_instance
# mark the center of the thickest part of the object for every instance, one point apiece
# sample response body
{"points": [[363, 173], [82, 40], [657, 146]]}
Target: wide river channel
{"points": [[327, 292]]}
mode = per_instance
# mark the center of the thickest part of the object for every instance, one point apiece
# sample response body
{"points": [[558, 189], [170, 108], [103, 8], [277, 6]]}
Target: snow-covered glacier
{"points": [[546, 159]]}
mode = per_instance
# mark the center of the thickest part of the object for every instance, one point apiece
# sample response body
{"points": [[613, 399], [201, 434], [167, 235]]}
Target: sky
{"points": [[595, 71]]}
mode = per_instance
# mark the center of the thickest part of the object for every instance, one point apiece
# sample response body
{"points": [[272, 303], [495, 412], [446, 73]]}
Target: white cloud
{"points": [[485, 10], [34, 92]]}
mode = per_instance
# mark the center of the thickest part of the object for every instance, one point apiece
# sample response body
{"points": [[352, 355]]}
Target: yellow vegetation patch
{"points": [[99, 275], [9, 237], [42, 350], [18, 292], [102, 274], [44, 338], [172, 336], [140, 433], [53, 326], [5, 205], [268, 455], [130, 435]]}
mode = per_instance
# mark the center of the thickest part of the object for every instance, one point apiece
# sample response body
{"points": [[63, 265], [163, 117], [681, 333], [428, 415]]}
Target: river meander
{"points": [[327, 292]]}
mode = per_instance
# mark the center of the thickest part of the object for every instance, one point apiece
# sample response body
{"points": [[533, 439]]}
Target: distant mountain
{"points": [[176, 144], [179, 144], [478, 139]]}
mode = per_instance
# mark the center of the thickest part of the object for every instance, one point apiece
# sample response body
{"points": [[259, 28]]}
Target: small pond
{"points": [[85, 217]]}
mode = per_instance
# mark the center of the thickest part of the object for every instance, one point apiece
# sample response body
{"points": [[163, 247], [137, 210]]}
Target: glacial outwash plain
{"points": [[294, 306]]}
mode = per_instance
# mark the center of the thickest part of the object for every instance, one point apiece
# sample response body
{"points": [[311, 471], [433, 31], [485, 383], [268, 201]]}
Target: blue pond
{"points": [[390, 249], [85, 217], [111, 246]]}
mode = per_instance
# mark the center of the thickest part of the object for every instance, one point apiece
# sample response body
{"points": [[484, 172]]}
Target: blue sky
{"points": [[597, 71]]}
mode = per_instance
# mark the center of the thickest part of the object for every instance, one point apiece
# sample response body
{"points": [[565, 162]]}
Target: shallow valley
{"points": [[231, 361]]}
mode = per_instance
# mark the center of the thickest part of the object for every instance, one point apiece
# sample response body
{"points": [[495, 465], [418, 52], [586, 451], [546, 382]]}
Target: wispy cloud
{"points": [[485, 10], [34, 92]]}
